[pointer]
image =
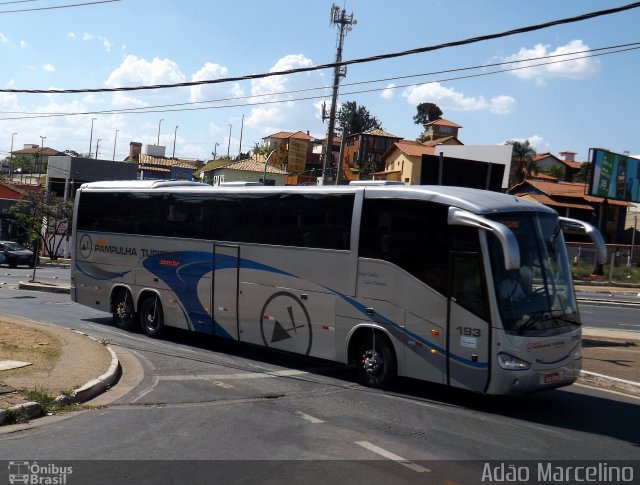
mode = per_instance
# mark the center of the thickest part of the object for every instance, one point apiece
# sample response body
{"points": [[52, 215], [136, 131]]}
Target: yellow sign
{"points": [[297, 155]]}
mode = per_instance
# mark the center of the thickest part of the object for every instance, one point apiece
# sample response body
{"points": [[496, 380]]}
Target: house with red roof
{"points": [[570, 199]]}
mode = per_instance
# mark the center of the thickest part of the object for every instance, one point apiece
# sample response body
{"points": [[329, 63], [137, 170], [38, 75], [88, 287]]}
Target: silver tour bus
{"points": [[450, 285]]}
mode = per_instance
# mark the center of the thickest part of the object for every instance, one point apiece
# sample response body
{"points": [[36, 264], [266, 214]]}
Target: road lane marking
{"points": [[390, 456], [311, 419], [238, 376]]}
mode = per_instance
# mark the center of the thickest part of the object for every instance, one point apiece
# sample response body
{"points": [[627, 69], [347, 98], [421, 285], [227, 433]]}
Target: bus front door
{"points": [[469, 335], [224, 291]]}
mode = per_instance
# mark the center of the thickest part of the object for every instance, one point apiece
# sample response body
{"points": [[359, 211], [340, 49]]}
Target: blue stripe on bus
{"points": [[191, 266], [382, 319]]}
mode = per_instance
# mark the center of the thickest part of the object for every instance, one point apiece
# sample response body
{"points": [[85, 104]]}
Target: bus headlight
{"points": [[509, 362]]}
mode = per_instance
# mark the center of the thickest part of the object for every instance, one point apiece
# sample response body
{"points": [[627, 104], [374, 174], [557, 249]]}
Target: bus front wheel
{"points": [[375, 362], [123, 314], [152, 316]]}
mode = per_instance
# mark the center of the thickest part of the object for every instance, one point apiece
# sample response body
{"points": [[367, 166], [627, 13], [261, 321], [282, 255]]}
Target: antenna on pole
{"points": [[344, 22]]}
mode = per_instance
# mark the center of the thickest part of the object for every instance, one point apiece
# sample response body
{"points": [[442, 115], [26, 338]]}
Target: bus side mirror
{"points": [[581, 227], [508, 241]]}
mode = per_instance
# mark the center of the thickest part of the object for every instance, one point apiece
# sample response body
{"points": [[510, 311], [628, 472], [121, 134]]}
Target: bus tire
{"points": [[122, 309], [376, 364], [152, 316]]}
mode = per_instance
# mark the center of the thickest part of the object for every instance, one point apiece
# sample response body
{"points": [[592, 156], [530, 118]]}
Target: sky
{"points": [[580, 103]]}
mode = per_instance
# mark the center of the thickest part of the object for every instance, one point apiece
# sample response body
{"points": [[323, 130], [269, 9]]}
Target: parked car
{"points": [[15, 253]]}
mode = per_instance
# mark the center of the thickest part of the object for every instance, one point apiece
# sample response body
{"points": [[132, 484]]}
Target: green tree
{"points": [[584, 173], [20, 164], [42, 219], [356, 119], [427, 112], [261, 149], [522, 163], [553, 171]]}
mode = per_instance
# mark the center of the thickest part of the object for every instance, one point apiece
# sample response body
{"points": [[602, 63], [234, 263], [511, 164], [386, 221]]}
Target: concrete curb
{"points": [[36, 286], [99, 385], [80, 395], [587, 377]]}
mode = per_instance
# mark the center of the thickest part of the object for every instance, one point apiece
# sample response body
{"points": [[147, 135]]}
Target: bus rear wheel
{"points": [[376, 365], [123, 314], [152, 316]]}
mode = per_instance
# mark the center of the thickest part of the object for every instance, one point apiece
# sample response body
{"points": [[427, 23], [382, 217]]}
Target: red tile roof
{"points": [[443, 122]]}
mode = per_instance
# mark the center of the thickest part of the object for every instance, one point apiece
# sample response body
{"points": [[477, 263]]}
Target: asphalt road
{"points": [[287, 418]]}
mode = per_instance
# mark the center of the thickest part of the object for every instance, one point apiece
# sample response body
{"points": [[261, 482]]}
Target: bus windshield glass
{"points": [[537, 298]]}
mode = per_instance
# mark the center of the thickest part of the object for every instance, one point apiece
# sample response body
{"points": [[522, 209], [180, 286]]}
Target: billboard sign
{"points": [[614, 176], [297, 155]]}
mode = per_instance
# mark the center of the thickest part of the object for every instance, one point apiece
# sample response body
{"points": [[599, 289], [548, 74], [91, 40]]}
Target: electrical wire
{"points": [[55, 7], [379, 57], [167, 108]]}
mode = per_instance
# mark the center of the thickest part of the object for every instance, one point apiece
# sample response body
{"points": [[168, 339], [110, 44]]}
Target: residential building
{"points": [[566, 165], [293, 151], [440, 128], [10, 194], [570, 200], [37, 154], [403, 159], [245, 171], [362, 153]]}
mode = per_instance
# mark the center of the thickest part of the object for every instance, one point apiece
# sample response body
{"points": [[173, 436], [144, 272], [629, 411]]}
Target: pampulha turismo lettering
{"points": [[101, 247], [552, 473]]}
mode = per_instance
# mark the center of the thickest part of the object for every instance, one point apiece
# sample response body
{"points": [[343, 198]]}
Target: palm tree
{"points": [[522, 163]]}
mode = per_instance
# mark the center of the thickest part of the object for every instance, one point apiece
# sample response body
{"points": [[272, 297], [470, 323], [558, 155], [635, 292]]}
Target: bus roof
{"points": [[474, 200]]}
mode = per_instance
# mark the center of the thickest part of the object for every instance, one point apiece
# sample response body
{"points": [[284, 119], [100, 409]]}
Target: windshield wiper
{"points": [[534, 318], [546, 315]]}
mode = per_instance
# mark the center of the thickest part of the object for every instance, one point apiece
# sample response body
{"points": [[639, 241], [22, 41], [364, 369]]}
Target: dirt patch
{"points": [[27, 344]]}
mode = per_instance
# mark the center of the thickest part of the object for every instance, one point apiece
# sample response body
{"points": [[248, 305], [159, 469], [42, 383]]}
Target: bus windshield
{"points": [[538, 297]]}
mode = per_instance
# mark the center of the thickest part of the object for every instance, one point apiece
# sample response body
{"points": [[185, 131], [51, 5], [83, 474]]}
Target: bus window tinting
{"points": [[415, 236], [304, 220]]}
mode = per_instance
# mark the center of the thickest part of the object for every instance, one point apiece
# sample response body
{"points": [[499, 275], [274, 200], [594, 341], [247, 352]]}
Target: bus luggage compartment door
{"points": [[224, 293]]}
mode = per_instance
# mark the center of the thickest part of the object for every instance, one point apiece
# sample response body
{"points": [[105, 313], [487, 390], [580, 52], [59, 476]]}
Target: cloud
{"points": [[502, 105], [208, 72], [71, 35], [87, 36], [48, 68], [136, 72], [450, 99], [3, 38], [284, 115], [23, 44], [389, 92], [581, 67]]}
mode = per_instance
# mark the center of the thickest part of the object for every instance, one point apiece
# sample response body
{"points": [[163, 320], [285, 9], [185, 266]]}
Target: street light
{"points": [[215, 150], [97, 145], [42, 138], [114, 147], [159, 123], [175, 133], [229, 145], [91, 137], [10, 157]]}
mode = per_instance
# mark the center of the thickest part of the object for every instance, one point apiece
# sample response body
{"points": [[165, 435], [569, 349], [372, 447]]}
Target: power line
{"points": [[180, 106], [379, 57], [55, 7]]}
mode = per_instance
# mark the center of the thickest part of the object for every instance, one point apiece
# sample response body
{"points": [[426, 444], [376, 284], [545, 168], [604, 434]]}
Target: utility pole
{"points": [[344, 22]]}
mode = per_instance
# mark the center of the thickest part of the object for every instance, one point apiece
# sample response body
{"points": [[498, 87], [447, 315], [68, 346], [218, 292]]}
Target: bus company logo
{"points": [[86, 245], [33, 473]]}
